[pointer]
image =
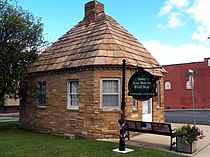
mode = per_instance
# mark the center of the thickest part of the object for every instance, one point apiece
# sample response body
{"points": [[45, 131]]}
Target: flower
{"points": [[189, 134]]}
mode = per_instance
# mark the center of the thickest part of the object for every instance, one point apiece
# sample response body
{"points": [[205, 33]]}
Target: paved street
{"points": [[9, 117], [186, 116]]}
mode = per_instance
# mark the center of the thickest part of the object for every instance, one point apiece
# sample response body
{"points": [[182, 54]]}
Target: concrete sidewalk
{"points": [[163, 142]]}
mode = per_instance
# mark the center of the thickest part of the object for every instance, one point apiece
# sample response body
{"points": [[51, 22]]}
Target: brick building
{"points": [[178, 92], [79, 80]]}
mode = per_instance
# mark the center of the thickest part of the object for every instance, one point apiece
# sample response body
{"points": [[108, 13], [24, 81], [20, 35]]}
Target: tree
{"points": [[21, 40]]}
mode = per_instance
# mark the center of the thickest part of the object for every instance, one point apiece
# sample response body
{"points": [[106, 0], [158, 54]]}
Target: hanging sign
{"points": [[142, 85]]}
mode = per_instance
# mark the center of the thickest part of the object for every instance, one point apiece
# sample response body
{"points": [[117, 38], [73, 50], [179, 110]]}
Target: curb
{"points": [[171, 110]]}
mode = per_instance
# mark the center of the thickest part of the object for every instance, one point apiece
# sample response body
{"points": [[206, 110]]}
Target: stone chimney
{"points": [[92, 9]]}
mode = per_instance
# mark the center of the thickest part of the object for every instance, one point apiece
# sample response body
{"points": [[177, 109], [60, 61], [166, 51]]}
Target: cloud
{"points": [[169, 5], [165, 10], [168, 54], [179, 3], [178, 11], [199, 11], [172, 9], [175, 20]]}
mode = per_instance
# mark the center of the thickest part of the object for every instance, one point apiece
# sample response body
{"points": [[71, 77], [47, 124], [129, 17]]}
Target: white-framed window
{"points": [[167, 85], [188, 86], [72, 94], [41, 93], [110, 93], [208, 62], [134, 104]]}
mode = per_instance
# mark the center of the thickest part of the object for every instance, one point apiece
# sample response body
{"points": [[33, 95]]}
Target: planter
{"points": [[184, 147]]}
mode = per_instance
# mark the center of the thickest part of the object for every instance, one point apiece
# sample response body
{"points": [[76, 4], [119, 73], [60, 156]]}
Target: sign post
{"points": [[191, 73]]}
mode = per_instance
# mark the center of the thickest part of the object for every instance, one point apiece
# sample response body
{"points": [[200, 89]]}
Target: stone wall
{"points": [[158, 111], [90, 121]]}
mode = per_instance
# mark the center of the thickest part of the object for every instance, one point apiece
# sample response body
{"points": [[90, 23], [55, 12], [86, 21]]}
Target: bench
{"points": [[151, 128]]}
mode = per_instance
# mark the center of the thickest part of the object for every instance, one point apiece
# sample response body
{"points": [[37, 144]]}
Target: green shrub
{"points": [[189, 134]]}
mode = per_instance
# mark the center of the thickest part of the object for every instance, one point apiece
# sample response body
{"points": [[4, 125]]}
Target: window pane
{"points": [[109, 90], [149, 106], [115, 86], [158, 92], [73, 87], [167, 85], [41, 93], [110, 86], [42, 100], [42, 89], [105, 86], [73, 100], [110, 100], [134, 103]]}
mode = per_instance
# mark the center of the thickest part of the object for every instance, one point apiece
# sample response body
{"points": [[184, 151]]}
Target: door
{"points": [[147, 110]]}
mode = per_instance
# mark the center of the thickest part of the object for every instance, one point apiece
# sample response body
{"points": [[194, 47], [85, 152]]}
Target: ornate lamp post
{"points": [[122, 120]]}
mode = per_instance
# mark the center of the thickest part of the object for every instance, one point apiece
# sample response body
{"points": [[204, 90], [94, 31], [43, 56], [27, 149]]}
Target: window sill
{"points": [[41, 107], [72, 109], [110, 110]]}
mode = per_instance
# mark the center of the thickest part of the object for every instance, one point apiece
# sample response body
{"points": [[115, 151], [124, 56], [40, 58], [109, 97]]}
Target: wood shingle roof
{"points": [[95, 41]]}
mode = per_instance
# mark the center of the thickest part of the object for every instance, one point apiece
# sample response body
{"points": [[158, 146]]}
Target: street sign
{"points": [[191, 74]]}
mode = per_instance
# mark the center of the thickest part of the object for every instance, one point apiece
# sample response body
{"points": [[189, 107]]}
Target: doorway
{"points": [[147, 110]]}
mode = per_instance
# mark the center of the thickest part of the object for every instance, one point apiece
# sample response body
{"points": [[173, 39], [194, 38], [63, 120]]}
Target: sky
{"points": [[173, 31]]}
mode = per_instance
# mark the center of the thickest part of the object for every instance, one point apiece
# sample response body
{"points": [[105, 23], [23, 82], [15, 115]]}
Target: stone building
{"points": [[78, 80]]}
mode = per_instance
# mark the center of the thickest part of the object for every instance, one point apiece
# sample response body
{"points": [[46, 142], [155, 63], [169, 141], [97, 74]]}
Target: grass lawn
{"points": [[15, 142]]}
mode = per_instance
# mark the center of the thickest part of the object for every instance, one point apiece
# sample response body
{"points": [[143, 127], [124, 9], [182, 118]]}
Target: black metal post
{"points": [[122, 120]]}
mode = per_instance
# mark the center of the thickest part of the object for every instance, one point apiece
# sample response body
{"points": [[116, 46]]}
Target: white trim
{"points": [[69, 106], [101, 94], [41, 107]]}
